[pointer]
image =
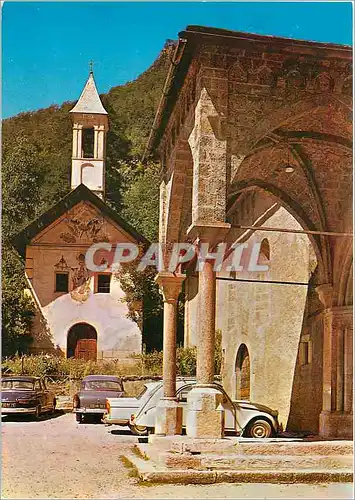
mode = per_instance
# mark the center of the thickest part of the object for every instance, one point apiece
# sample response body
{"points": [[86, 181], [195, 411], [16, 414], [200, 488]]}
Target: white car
{"points": [[119, 411], [241, 417]]}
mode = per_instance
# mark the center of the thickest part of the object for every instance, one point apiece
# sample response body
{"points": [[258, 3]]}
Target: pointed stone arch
{"points": [[296, 211], [286, 114], [242, 371]]}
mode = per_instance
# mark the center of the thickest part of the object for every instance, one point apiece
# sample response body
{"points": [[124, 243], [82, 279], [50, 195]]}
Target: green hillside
{"points": [[36, 174]]}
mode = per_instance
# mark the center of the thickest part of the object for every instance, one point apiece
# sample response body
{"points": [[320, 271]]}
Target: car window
{"points": [[143, 391], [183, 392], [38, 385], [102, 385], [17, 384]]}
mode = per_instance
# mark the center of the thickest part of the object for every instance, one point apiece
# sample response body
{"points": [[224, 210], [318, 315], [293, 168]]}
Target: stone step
{"points": [[211, 461], [260, 446], [149, 472], [296, 448], [255, 462], [265, 462]]}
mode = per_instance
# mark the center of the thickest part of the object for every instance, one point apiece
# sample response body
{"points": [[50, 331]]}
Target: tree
{"points": [[141, 209], [17, 308], [21, 181], [141, 200]]}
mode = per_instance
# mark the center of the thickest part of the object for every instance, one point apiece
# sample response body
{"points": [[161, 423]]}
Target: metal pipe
{"points": [[296, 231], [298, 283]]}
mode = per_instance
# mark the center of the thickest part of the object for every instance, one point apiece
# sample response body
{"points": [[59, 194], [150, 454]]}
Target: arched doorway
{"points": [[82, 342], [242, 371]]}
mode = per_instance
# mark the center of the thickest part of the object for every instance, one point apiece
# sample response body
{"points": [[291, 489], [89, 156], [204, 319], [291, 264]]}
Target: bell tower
{"points": [[90, 125]]}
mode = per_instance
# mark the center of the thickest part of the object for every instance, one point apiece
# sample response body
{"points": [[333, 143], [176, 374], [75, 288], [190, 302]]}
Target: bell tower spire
{"points": [[90, 125]]}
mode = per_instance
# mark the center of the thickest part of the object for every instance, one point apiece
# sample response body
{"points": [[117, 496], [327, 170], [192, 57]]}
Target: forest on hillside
{"points": [[36, 174]]}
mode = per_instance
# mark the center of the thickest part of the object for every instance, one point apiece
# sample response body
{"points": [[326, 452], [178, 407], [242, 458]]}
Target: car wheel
{"points": [[139, 430], [259, 429], [54, 405], [38, 412], [79, 418]]}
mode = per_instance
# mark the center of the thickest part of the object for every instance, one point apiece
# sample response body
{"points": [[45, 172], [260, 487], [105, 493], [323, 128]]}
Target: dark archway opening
{"points": [[82, 342], [242, 369], [88, 142]]}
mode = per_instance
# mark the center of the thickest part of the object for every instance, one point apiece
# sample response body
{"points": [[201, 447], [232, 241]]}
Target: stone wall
{"points": [[268, 319]]}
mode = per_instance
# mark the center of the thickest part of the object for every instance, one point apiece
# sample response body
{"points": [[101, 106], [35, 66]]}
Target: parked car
{"points": [[241, 417], [120, 410], [91, 399], [24, 395]]}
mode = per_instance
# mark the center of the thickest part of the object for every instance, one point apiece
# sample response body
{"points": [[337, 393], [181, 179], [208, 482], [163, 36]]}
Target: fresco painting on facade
{"points": [[80, 281]]}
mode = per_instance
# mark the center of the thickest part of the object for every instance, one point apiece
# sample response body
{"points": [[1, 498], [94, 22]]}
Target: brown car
{"points": [[24, 395], [91, 399]]}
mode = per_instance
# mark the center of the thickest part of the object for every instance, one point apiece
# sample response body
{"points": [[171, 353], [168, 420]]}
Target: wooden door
{"points": [[86, 349]]}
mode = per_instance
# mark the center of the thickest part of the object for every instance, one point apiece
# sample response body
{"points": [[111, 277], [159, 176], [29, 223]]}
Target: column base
{"points": [[168, 419], [336, 425], [205, 414]]}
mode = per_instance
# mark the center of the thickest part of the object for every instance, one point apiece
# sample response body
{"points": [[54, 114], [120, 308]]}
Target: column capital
{"points": [[210, 232], [325, 294], [170, 284]]}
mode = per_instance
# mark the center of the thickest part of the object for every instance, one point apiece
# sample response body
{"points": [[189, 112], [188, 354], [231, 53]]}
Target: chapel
{"points": [[80, 313]]}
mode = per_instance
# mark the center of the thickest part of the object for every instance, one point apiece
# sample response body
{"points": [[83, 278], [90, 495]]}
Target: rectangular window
{"points": [[88, 142], [61, 282], [306, 352], [103, 283]]}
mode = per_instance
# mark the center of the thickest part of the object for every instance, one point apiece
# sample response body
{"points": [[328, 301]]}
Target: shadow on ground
{"points": [[32, 418]]}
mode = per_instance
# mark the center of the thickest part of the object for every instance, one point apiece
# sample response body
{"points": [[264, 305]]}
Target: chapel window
{"points": [[305, 352], [61, 282], [103, 283], [265, 249]]}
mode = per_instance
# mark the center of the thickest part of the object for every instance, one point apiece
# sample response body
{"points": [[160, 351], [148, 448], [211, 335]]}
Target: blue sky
{"points": [[47, 46]]}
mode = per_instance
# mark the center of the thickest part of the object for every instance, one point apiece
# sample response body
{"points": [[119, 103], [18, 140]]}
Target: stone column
{"points": [[207, 306], [335, 420], [348, 369], [79, 143], [169, 414], [96, 142], [101, 142], [340, 371], [205, 416], [75, 141]]}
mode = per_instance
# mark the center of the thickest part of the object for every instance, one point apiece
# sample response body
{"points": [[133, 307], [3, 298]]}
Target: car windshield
{"points": [[102, 385], [143, 391], [25, 385]]}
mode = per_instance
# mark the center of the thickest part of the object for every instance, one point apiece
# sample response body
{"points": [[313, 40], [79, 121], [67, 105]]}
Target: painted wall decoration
{"points": [[62, 265], [80, 280], [82, 225]]}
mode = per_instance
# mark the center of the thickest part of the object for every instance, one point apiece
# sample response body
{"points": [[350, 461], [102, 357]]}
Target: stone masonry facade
{"points": [[250, 122]]}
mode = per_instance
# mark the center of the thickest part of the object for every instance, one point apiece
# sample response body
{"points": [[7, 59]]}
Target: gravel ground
{"points": [[58, 458]]}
